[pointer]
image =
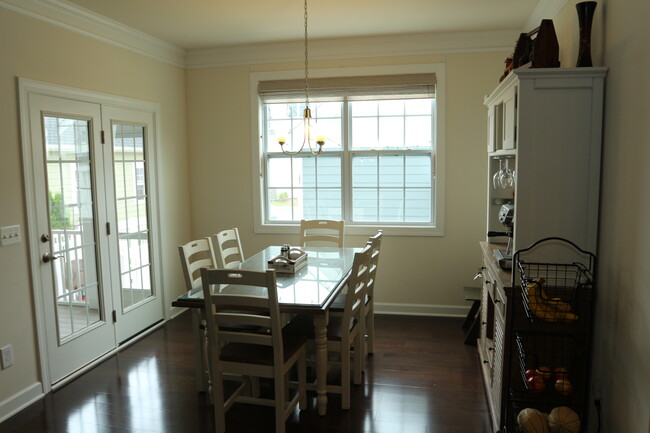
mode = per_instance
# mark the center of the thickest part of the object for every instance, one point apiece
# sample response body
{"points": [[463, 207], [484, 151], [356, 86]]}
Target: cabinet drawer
{"points": [[489, 279]]}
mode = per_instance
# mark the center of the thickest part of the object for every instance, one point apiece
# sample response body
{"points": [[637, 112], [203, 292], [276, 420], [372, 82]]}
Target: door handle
{"points": [[47, 257]]}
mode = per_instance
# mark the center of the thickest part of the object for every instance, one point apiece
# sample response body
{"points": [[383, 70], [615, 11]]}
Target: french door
{"points": [[94, 256], [128, 134]]}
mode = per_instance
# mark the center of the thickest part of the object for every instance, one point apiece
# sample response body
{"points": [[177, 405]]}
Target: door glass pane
{"points": [[132, 218], [72, 224]]}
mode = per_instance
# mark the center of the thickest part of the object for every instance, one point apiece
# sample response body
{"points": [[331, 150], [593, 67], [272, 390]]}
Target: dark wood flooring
{"points": [[422, 378]]}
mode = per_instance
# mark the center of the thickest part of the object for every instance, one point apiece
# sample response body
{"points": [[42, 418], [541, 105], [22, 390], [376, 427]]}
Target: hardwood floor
{"points": [[422, 378]]}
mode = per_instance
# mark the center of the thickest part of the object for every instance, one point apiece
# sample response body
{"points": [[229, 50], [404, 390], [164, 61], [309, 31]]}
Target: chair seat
{"points": [[262, 355], [303, 324]]}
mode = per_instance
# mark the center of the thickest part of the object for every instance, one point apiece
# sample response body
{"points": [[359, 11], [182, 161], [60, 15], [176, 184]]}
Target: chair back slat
{"points": [[231, 301], [321, 232], [226, 318]]}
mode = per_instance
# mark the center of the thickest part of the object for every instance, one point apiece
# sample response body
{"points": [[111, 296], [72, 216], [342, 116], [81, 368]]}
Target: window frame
{"points": [[438, 153]]}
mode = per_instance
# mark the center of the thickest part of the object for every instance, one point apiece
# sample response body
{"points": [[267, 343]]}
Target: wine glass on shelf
{"points": [[497, 175], [506, 178]]}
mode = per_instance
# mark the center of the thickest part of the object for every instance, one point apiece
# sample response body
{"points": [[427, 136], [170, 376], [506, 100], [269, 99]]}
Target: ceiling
{"points": [[200, 24]]}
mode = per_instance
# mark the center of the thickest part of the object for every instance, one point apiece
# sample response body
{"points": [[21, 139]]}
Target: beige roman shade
{"points": [[353, 88]]}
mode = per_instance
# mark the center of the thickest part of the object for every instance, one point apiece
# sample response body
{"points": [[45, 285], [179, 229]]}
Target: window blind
{"points": [[405, 86]]}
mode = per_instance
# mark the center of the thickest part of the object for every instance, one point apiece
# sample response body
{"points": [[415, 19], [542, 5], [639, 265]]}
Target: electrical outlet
{"points": [[7, 353], [10, 235]]}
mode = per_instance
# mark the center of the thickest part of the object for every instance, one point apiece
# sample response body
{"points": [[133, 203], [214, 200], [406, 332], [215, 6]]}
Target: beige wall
{"points": [[621, 375], [414, 270], [424, 271], [36, 50]]}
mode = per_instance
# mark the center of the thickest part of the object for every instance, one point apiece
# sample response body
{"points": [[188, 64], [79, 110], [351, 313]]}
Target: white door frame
{"points": [[25, 88]]}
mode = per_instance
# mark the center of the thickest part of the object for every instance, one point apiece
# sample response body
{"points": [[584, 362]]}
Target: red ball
{"points": [[535, 384], [530, 373]]}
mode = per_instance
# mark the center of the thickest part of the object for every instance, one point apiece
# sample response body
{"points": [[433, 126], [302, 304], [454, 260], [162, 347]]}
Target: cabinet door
{"points": [[491, 129], [510, 119]]}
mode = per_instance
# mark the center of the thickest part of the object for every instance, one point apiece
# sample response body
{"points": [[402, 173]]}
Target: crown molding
{"points": [[80, 20], [546, 9], [72, 17], [380, 46]]}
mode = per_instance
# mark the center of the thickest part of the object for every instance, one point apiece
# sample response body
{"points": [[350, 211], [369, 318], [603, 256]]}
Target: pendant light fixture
{"points": [[306, 118]]}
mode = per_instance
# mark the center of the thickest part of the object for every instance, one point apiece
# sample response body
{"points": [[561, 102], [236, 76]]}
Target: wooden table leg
{"points": [[199, 350], [320, 343]]}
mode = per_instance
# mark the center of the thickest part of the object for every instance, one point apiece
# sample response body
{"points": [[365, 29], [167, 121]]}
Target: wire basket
{"points": [[557, 293], [519, 402], [551, 365]]}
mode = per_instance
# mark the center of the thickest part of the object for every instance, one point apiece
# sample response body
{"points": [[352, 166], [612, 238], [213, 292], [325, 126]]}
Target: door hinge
{"points": [[114, 316], [108, 229], [102, 137]]}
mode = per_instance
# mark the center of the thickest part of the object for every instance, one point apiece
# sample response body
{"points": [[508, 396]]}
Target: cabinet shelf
{"points": [[503, 153]]}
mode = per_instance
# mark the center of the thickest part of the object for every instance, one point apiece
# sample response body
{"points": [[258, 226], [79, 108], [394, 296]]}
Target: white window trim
{"points": [[259, 226]]}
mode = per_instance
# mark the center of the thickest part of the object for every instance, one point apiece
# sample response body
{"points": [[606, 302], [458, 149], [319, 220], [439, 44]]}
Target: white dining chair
{"points": [[270, 354], [319, 232], [338, 306], [369, 312], [229, 246], [195, 255], [344, 332]]}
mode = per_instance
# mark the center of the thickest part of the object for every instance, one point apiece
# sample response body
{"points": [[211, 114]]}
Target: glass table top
{"points": [[312, 286]]}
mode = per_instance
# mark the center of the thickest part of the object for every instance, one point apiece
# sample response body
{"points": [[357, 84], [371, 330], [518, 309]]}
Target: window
{"points": [[380, 166]]}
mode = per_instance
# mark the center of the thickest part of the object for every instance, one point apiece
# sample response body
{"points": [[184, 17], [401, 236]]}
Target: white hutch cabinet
{"points": [[547, 125]]}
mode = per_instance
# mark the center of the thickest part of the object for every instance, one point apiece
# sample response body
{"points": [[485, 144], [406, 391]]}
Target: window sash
{"points": [[297, 189]]}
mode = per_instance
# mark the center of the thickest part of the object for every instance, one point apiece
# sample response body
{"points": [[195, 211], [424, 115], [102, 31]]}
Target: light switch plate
{"points": [[7, 357], [10, 235]]}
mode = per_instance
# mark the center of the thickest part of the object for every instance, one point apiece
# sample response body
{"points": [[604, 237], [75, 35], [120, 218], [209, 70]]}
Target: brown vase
{"points": [[585, 19], [546, 50]]}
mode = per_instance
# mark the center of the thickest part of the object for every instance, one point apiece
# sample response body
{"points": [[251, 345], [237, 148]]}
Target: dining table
{"points": [[310, 290]]}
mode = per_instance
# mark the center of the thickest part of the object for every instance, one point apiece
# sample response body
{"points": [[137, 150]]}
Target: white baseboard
{"points": [[422, 310], [20, 400], [173, 312]]}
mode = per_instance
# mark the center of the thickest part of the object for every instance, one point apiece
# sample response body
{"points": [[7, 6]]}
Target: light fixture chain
{"points": [[306, 60], [307, 112]]}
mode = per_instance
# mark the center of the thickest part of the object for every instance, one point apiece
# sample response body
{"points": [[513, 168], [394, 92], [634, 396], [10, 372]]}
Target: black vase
{"points": [[585, 19]]}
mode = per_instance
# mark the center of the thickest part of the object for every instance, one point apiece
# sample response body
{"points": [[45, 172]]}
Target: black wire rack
{"points": [[552, 340], [557, 293]]}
